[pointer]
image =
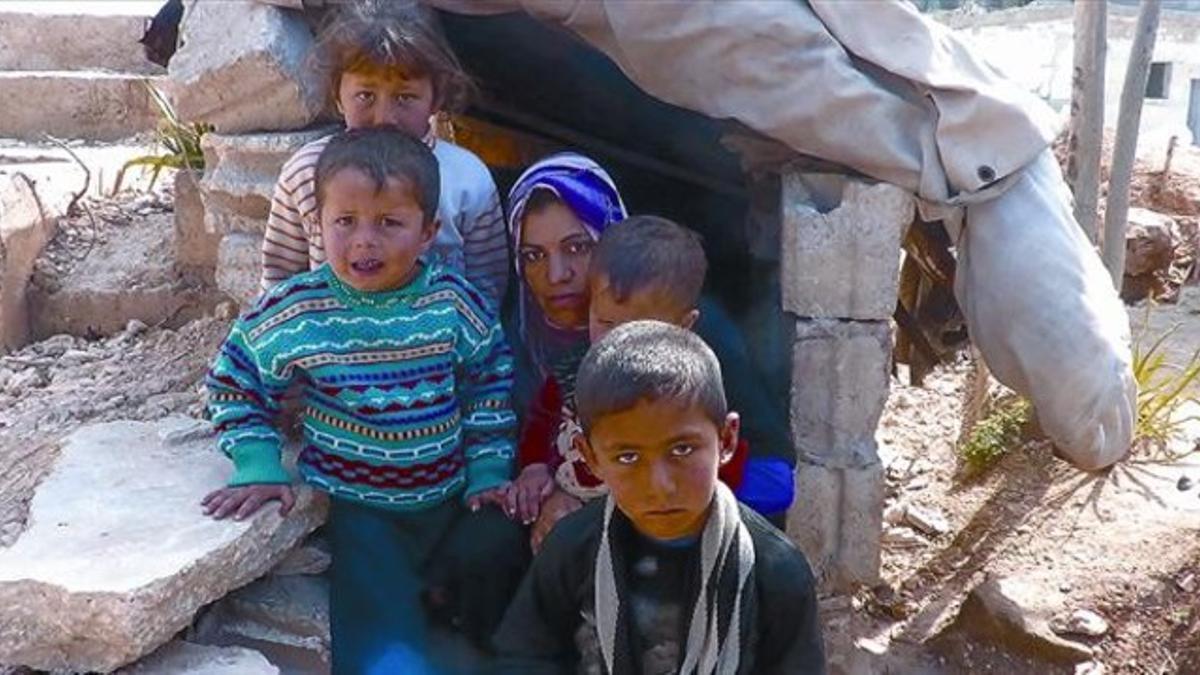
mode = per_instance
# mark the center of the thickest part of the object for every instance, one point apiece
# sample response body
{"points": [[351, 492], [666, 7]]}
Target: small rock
{"points": [[1081, 622], [1186, 583], [901, 536], [311, 557], [226, 311], [926, 521], [1184, 484], [75, 357], [877, 647], [30, 378], [1090, 668], [135, 327], [6, 376], [894, 514], [55, 346]]}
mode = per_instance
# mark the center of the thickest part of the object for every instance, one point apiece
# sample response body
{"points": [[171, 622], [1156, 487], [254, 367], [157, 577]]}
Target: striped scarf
{"points": [[718, 614]]}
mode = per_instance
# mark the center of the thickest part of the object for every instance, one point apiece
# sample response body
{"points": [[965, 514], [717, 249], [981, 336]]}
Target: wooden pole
{"points": [[1086, 138], [1125, 148]]}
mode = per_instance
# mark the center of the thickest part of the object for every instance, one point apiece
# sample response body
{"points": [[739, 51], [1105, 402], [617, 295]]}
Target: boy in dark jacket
{"points": [[668, 573]]}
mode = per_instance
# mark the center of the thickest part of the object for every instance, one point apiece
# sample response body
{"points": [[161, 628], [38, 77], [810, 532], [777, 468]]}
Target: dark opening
{"points": [[1158, 85]]}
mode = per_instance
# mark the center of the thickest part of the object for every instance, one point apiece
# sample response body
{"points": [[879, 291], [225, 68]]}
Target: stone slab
{"points": [[25, 229], [292, 611], [238, 265], [837, 521], [195, 246], [70, 41], [255, 78], [92, 105], [842, 263], [839, 386], [185, 658], [1017, 615], [117, 556], [240, 175]]}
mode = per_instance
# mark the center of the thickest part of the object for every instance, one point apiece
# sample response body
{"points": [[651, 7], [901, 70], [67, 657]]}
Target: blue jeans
{"points": [[384, 561]]}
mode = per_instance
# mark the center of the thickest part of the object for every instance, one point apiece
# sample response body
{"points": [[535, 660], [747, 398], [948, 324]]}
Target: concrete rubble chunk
{"points": [[117, 556], [839, 387], [240, 172], [1009, 612], [185, 658], [256, 77], [238, 264], [1150, 241], [311, 557], [195, 246], [25, 229], [1083, 622], [98, 41], [292, 611], [842, 263]]}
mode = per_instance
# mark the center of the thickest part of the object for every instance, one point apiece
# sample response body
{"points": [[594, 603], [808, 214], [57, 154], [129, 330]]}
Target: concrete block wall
{"points": [[840, 271]]}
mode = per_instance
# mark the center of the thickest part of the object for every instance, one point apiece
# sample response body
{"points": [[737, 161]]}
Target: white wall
{"points": [[1034, 46]]}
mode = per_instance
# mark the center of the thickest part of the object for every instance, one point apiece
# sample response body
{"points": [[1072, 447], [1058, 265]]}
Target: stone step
{"points": [[129, 272], [92, 105], [75, 36]]}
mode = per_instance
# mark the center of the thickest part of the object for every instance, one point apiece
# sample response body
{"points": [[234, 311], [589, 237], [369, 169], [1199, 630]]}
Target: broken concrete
{"points": [[255, 78], [1150, 241], [1017, 615], [25, 229], [842, 261], [130, 275], [238, 264], [104, 575], [195, 246], [240, 175], [186, 658], [95, 105], [290, 611], [311, 557]]}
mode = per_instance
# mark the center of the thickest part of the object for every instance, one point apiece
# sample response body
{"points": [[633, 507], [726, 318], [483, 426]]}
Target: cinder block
{"points": [[837, 521], [238, 265], [839, 387], [240, 175], [244, 67], [841, 261]]}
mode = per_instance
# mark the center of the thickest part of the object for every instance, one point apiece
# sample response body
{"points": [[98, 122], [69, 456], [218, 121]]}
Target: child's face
{"points": [[607, 311], [555, 251], [385, 97], [372, 236], [659, 460]]}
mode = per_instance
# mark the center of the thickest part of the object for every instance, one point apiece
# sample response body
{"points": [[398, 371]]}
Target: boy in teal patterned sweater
{"points": [[407, 422]]}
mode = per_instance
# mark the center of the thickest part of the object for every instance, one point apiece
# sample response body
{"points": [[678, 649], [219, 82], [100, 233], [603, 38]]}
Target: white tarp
{"points": [[879, 88]]}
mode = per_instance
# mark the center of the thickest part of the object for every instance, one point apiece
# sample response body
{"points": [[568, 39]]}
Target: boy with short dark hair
{"points": [[407, 421], [647, 267], [668, 573]]}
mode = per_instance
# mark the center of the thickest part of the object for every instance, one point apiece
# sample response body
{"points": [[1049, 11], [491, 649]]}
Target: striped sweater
{"points": [[406, 392], [472, 239]]}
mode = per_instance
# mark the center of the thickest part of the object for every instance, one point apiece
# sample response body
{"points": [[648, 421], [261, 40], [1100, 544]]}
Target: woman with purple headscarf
{"points": [[558, 209]]}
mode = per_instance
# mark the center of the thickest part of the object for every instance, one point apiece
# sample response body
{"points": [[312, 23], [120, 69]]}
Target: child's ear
{"points": [[690, 319], [729, 436], [429, 233]]}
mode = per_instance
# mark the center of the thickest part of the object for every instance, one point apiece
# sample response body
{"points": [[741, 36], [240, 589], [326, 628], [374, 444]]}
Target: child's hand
{"points": [[526, 494], [493, 496], [242, 501], [557, 506]]}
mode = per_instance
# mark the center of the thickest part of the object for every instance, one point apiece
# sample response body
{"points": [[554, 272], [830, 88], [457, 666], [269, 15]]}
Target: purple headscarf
{"points": [[592, 196]]}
